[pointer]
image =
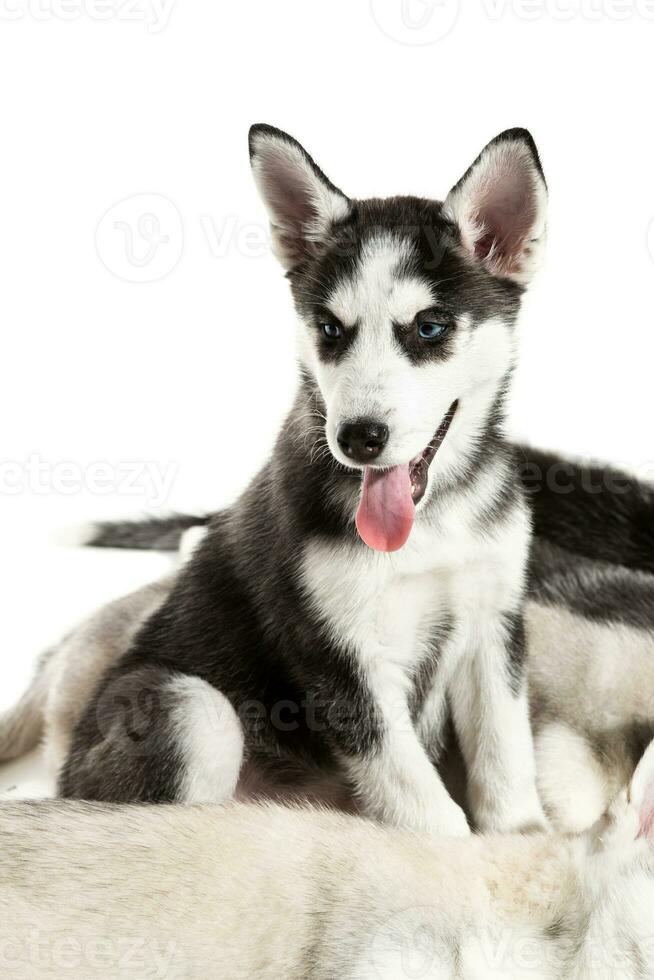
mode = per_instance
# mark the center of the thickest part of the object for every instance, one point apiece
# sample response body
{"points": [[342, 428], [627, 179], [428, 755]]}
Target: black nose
{"points": [[362, 440]]}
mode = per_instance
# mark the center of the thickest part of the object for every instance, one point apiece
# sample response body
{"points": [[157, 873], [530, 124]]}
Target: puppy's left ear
{"points": [[500, 207], [641, 793], [301, 201]]}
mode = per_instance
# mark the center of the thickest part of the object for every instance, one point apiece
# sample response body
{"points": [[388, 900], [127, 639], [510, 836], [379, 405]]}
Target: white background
{"points": [[191, 372]]}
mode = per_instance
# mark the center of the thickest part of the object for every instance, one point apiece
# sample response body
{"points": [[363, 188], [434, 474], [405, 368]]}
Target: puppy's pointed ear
{"points": [[302, 203], [641, 793], [500, 207]]}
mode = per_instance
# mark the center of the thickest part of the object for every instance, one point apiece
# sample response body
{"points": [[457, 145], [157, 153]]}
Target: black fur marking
{"points": [[426, 670], [596, 511], [516, 649], [330, 350], [420, 351], [597, 591], [433, 254]]}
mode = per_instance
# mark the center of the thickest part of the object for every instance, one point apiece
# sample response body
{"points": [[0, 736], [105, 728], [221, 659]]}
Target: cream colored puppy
{"points": [[246, 892]]}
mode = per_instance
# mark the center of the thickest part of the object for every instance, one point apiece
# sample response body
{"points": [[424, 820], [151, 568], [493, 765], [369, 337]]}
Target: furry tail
{"points": [[595, 511], [154, 533], [21, 726]]}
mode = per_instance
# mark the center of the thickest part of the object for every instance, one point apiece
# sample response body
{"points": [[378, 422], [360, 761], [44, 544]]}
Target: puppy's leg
{"points": [[491, 716], [394, 778], [209, 738], [574, 786], [154, 735]]}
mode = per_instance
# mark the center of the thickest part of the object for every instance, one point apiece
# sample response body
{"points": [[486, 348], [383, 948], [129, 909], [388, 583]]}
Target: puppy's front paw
{"points": [[450, 822], [519, 819]]}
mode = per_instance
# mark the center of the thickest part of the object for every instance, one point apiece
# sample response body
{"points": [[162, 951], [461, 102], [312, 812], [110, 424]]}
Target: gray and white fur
{"points": [[262, 892]]}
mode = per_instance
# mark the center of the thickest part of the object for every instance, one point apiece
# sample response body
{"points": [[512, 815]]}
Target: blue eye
{"points": [[331, 331], [432, 331]]}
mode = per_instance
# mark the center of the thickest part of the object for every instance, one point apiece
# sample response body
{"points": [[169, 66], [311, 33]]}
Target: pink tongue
{"points": [[386, 509]]}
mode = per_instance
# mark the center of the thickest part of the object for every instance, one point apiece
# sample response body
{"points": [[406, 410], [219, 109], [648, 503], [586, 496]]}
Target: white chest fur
{"points": [[388, 605], [372, 604]]}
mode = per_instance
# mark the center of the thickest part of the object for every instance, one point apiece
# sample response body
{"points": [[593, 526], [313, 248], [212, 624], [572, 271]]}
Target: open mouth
{"points": [[419, 466], [389, 496]]}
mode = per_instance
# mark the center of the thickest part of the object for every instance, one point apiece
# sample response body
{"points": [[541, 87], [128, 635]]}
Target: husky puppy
{"points": [[262, 892], [372, 575]]}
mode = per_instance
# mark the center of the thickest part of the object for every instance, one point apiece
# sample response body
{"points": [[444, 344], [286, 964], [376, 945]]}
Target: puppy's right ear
{"points": [[500, 207], [301, 202]]}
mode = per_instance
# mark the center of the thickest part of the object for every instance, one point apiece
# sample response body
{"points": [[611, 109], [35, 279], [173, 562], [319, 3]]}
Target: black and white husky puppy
{"points": [[370, 580]]}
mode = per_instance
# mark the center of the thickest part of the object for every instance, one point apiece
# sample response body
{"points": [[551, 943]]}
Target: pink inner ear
{"points": [[288, 190], [505, 214], [484, 246], [646, 811]]}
